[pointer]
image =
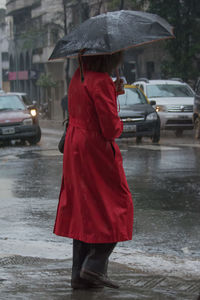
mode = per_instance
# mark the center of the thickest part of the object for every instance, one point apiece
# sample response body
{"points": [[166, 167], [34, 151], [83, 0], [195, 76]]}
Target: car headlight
{"points": [[152, 116], [33, 112], [28, 121], [160, 108]]}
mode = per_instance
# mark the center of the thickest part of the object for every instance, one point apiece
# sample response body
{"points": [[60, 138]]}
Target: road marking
{"points": [[155, 148], [50, 153], [52, 138], [8, 157], [189, 145]]}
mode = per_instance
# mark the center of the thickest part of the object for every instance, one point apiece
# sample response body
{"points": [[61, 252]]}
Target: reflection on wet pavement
{"points": [[164, 182], [35, 278], [166, 191]]}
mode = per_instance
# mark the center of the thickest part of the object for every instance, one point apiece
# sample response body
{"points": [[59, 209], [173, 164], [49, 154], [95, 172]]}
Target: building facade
{"points": [[36, 25], [4, 55], [32, 37]]}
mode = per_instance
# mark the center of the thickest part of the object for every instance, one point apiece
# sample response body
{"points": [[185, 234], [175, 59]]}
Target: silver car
{"points": [[174, 102]]}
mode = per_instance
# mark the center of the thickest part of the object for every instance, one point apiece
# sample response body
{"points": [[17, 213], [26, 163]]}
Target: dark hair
{"points": [[102, 63]]}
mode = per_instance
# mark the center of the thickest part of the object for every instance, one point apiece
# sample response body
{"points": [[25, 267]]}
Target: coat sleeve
{"points": [[104, 96]]}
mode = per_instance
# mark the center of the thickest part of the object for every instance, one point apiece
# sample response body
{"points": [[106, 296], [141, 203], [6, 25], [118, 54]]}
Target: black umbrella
{"points": [[111, 32]]}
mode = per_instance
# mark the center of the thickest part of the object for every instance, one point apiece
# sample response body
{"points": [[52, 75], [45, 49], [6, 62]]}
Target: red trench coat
{"points": [[95, 204]]}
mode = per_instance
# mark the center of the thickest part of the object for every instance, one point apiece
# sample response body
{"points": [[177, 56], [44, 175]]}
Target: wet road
{"points": [[164, 181]]}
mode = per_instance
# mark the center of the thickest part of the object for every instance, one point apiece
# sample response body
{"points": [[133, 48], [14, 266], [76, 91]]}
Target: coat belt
{"points": [[82, 125]]}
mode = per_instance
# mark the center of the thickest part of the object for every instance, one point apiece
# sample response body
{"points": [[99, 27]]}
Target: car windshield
{"points": [[10, 103], [26, 100], [132, 96], [168, 90]]}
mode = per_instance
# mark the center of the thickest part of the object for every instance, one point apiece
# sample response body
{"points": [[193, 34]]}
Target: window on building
{"points": [[129, 71], [54, 35], [4, 56], [150, 69], [5, 74]]}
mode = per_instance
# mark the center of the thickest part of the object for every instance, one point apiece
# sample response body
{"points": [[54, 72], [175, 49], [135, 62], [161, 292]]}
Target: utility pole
{"points": [[121, 5], [16, 60]]}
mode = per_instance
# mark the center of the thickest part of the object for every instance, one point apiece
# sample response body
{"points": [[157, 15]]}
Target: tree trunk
{"points": [[65, 15]]}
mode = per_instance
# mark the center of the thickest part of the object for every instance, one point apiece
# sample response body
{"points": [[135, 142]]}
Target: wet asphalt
{"points": [[161, 262]]}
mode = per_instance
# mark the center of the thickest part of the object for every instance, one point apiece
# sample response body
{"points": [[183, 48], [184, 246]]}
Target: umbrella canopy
{"points": [[111, 32]]}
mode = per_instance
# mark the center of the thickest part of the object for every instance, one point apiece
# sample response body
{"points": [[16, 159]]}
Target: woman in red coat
{"points": [[95, 205]]}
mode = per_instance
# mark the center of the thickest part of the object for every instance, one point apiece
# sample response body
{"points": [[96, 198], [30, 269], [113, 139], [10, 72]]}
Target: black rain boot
{"points": [[80, 251], [94, 267]]}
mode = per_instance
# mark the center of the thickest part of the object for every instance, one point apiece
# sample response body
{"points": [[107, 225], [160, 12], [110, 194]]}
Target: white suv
{"points": [[174, 102]]}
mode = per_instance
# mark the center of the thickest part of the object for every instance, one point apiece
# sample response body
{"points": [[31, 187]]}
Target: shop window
{"points": [[5, 74]]}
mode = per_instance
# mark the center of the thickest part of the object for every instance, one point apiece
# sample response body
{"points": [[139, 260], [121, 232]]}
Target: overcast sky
{"points": [[2, 3]]}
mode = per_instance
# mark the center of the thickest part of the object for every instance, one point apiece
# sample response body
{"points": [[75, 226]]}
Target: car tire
{"points": [[138, 139], [34, 140], [155, 138], [179, 133], [6, 143], [197, 128]]}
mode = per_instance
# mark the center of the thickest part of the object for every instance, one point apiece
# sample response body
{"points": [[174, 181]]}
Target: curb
{"points": [[51, 124]]}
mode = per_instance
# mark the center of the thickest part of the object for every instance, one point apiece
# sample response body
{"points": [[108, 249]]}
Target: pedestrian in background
{"points": [[95, 205], [64, 105]]}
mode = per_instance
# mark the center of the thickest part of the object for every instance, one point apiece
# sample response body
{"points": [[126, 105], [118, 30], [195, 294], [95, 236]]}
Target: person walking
{"points": [[95, 206], [64, 105]]}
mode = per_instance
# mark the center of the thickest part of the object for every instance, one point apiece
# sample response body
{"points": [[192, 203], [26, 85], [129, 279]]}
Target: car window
{"points": [[11, 103], [131, 97], [168, 90], [142, 87], [26, 100]]}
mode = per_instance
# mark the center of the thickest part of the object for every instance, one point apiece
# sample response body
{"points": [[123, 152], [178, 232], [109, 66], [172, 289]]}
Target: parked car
{"points": [[174, 102], [196, 112], [16, 120], [139, 117], [31, 106]]}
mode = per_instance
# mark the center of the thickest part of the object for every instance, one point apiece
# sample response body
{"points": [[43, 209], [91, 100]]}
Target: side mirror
{"points": [[153, 102]]}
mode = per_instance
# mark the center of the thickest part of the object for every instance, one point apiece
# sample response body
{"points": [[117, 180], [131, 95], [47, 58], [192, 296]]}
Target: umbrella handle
{"points": [[119, 83], [80, 61]]}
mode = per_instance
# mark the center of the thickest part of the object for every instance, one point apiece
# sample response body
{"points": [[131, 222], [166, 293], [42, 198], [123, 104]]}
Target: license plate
{"points": [[184, 117], [8, 130], [129, 128]]}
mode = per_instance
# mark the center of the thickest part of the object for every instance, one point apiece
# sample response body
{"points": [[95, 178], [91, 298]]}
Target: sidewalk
{"points": [[51, 124], [35, 278]]}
